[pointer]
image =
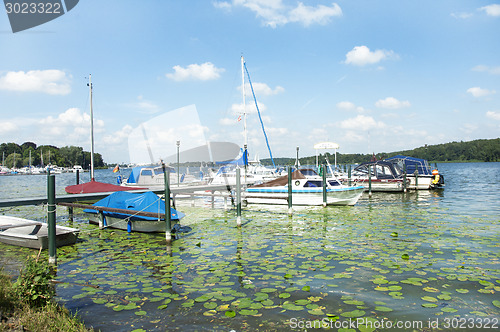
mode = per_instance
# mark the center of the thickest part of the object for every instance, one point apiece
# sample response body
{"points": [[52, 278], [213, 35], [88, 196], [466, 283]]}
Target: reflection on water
{"points": [[399, 256]]}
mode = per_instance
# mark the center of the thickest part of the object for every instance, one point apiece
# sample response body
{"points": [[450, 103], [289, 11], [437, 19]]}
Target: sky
{"points": [[371, 76]]}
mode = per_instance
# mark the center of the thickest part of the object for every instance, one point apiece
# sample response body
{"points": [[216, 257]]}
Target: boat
{"points": [[383, 175], [419, 172], [94, 186], [77, 168], [307, 189], [251, 172], [133, 202], [33, 234], [152, 177]]}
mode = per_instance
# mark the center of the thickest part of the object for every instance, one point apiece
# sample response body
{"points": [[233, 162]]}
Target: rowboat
{"points": [[33, 234]]}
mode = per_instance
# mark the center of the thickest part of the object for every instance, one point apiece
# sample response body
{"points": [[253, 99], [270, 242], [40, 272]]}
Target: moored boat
{"points": [[306, 190], [419, 172], [33, 234], [133, 202], [383, 176]]}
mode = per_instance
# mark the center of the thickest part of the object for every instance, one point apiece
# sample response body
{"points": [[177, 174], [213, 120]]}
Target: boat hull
{"points": [[34, 234], [144, 226], [306, 196]]}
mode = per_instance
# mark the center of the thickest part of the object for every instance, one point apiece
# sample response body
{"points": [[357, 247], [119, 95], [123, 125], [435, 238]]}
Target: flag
{"points": [[116, 169], [239, 118]]}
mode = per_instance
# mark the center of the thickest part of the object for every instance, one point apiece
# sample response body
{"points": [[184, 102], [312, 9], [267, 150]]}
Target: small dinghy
{"points": [[33, 234]]}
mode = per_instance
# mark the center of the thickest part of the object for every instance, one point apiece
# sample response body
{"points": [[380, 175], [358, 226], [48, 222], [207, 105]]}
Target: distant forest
{"points": [[17, 156], [14, 155], [477, 150]]}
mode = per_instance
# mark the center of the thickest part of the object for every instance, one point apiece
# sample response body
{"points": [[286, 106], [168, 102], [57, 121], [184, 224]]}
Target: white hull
{"points": [[338, 196], [32, 234], [145, 226]]}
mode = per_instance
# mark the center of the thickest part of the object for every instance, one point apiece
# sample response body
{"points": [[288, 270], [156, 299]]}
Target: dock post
{"points": [[168, 215], [416, 179], [51, 211], [349, 174], [290, 210], [370, 181], [404, 177], [323, 168], [238, 197]]}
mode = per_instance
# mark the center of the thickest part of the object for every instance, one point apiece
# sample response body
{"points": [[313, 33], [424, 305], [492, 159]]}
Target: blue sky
{"points": [[372, 76]]}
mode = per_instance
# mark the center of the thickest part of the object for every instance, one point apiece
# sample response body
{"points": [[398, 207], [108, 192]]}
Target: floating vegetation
{"points": [[337, 264]]}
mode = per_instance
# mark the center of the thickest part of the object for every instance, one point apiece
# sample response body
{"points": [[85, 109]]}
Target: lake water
{"points": [[400, 261]]}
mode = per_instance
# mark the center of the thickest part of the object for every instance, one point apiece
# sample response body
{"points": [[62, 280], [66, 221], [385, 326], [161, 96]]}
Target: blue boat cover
{"points": [[412, 164], [145, 202]]}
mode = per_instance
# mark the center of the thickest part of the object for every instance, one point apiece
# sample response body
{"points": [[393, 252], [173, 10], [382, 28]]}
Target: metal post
{"points": [[370, 181], [178, 174], [324, 185], [404, 177], [238, 197], [290, 210], [349, 174], [168, 215], [51, 211]]}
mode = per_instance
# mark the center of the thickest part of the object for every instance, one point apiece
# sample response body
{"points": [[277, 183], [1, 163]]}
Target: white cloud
{"points": [[308, 15], [462, 15], [228, 121], [8, 127], [250, 108], [493, 115], [275, 13], [262, 89], [204, 72], [53, 82], [478, 92], [70, 127], [491, 10], [490, 70], [361, 122], [361, 56], [392, 103], [348, 106], [119, 136]]}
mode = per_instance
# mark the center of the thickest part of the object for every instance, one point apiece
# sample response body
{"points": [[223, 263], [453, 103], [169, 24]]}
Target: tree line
{"points": [[478, 150], [17, 156]]}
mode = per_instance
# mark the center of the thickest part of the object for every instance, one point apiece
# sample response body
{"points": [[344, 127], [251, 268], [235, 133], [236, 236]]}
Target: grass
{"points": [[18, 311]]}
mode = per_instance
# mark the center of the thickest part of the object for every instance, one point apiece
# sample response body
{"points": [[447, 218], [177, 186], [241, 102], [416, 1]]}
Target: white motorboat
{"points": [[306, 190]]}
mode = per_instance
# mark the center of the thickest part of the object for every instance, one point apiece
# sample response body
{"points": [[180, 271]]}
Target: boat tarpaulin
{"points": [[144, 202], [96, 187], [412, 164]]}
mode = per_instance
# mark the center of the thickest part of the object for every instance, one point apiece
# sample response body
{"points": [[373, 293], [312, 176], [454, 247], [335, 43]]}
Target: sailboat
{"points": [[253, 172], [94, 186]]}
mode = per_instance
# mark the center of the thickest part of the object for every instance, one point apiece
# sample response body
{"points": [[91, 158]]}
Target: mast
{"points": [[245, 143], [91, 132]]}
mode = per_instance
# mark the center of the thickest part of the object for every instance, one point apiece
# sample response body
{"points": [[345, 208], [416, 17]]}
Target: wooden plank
{"points": [[115, 210]]}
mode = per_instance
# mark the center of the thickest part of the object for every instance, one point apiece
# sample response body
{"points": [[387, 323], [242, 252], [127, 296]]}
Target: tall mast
{"points": [[91, 132], [244, 103]]}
